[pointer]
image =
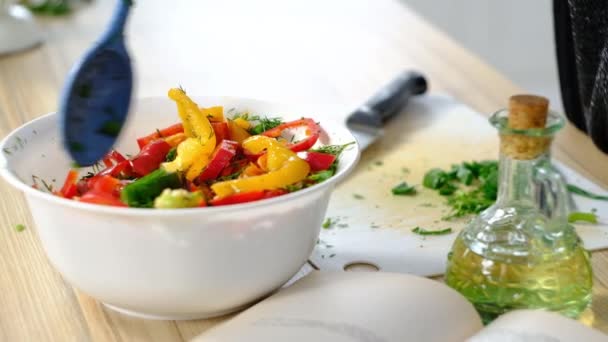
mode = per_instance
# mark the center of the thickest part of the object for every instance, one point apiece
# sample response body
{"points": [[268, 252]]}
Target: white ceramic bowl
{"points": [[173, 264]]}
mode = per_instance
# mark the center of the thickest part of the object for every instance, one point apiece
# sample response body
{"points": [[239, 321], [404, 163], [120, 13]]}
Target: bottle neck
{"points": [[517, 179]]}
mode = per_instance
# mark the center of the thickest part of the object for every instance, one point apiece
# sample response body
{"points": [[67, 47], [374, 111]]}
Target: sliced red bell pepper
{"points": [[242, 197], [150, 157], [274, 193], [313, 131], [123, 167], [113, 156], [235, 166], [224, 152], [69, 188], [221, 131], [165, 132], [106, 184], [318, 161], [245, 197], [101, 184], [101, 198]]}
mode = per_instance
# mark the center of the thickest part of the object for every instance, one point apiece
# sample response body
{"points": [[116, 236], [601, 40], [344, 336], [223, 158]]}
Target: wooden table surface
{"points": [[314, 51]]}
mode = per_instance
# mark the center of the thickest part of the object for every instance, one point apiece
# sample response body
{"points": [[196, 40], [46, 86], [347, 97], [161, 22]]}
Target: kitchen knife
{"points": [[366, 122]]}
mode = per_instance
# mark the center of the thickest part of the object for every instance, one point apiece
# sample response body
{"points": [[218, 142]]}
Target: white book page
{"points": [[355, 306], [537, 326]]}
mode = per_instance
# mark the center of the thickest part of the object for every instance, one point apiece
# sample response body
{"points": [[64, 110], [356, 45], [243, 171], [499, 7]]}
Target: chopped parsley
{"points": [[321, 176], [265, 124], [336, 150], [110, 128], [20, 227], [422, 231], [403, 189], [76, 146], [480, 181], [358, 196], [328, 223], [582, 217], [379, 163]]}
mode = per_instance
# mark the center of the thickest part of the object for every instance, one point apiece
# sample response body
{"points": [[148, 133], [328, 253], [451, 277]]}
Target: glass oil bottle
{"points": [[521, 252]]}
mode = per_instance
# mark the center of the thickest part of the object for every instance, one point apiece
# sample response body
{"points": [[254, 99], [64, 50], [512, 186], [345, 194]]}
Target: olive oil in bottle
{"points": [[521, 252]]}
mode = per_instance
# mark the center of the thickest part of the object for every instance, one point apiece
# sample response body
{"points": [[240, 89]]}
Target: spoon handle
{"points": [[119, 19]]}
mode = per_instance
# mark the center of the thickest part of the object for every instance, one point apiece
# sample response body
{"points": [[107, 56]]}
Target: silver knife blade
{"points": [[364, 134]]}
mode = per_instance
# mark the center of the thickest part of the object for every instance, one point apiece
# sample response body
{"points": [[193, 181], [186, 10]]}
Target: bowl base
{"points": [[184, 317]]}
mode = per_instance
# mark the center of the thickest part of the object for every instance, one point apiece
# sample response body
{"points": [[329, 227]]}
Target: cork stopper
{"points": [[526, 112]]}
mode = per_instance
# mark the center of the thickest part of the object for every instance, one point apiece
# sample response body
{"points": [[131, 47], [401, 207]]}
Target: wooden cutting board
{"points": [[373, 226]]}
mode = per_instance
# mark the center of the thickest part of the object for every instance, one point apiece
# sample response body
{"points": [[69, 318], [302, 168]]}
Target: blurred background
{"points": [[514, 36]]}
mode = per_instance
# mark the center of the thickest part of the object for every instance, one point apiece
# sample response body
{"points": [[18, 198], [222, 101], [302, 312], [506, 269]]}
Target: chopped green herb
{"points": [[47, 186], [49, 7], [20, 141], [447, 189], [7, 151], [76, 146], [405, 170], [582, 217], [379, 163], [358, 196], [230, 176], [481, 176], [294, 187], [582, 192], [328, 223], [422, 231], [75, 165], [435, 179], [20, 227], [321, 176], [84, 90], [463, 174], [403, 189], [110, 128], [171, 155], [332, 255], [465, 203], [333, 149], [264, 124]]}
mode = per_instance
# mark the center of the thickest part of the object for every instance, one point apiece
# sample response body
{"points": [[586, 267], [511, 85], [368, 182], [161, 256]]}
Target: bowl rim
{"points": [[16, 182]]}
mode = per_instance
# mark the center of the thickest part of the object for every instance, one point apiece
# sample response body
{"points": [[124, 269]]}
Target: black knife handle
{"points": [[394, 96], [389, 101]]}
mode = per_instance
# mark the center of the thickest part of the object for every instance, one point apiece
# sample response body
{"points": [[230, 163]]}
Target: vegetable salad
{"points": [[209, 159]]}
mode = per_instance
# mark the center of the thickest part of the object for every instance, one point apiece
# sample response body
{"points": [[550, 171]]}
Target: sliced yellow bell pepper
{"points": [[284, 168], [175, 139], [214, 113], [244, 124], [192, 153], [236, 132]]}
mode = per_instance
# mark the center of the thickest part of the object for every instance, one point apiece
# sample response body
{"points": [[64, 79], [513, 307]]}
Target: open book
{"points": [[379, 307]]}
